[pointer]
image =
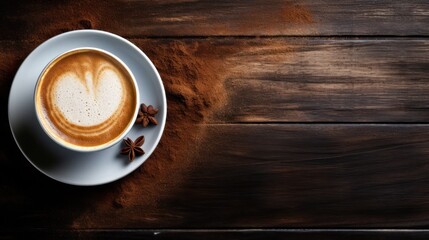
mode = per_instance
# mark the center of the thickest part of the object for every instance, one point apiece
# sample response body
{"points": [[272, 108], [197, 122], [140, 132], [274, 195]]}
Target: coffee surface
{"points": [[86, 98]]}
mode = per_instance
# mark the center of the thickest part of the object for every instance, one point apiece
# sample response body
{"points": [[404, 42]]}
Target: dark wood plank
{"points": [[302, 80], [285, 80], [44, 19], [248, 176], [306, 175], [312, 80], [178, 234]]}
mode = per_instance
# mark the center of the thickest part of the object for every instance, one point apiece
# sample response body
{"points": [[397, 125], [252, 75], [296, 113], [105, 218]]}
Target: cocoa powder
{"points": [[43, 21], [296, 14], [193, 73]]}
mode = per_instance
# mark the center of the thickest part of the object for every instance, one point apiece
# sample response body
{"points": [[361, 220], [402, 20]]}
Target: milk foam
{"points": [[86, 99], [89, 101]]}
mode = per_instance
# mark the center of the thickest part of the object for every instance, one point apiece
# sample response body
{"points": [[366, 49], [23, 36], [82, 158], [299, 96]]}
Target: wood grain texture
{"points": [[178, 234], [310, 80], [313, 80], [324, 135], [292, 80], [216, 18], [253, 176], [307, 176]]}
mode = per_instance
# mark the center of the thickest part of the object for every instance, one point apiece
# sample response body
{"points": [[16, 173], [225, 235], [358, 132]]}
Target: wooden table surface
{"points": [[287, 119]]}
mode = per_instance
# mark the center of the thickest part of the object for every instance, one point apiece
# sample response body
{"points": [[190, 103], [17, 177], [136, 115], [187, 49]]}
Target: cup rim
{"points": [[75, 147]]}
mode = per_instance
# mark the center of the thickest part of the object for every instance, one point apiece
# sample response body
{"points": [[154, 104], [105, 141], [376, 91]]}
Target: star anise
{"points": [[133, 148], [147, 115]]}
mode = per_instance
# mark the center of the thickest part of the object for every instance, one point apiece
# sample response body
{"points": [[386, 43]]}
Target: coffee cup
{"points": [[86, 99]]}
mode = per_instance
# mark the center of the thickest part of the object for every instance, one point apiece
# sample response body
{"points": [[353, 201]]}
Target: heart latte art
{"points": [[86, 98]]}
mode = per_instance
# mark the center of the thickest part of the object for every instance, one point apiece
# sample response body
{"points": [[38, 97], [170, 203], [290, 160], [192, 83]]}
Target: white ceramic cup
{"points": [[48, 130]]}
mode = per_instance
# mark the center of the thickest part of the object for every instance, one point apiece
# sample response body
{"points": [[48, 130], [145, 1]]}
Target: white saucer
{"points": [[68, 166]]}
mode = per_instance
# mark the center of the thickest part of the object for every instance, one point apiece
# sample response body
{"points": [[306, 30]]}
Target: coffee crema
{"points": [[86, 98]]}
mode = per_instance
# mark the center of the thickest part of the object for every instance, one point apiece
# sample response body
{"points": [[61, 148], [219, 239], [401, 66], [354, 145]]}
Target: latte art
{"points": [[90, 100], [86, 98]]}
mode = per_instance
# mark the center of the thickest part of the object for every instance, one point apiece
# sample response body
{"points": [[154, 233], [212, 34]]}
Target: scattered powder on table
{"points": [[296, 14], [272, 17], [193, 73]]}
